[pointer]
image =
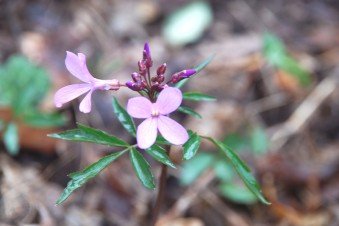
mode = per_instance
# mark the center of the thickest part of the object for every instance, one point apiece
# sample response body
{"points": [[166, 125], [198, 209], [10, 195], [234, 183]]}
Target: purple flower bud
{"points": [[142, 67], [147, 52], [182, 74], [136, 76], [162, 69], [161, 78], [147, 56], [134, 86]]}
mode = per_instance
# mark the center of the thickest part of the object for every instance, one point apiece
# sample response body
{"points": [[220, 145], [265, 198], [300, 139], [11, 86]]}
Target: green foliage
{"points": [[159, 154], [258, 140], [11, 139], [276, 54], [237, 193], [38, 119], [223, 171], [195, 96], [191, 146], [124, 117], [23, 85], [187, 24], [189, 111], [198, 68], [242, 169], [78, 179], [194, 167], [142, 169], [91, 135]]}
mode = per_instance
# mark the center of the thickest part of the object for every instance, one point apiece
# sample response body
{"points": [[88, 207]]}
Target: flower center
{"points": [[155, 113]]}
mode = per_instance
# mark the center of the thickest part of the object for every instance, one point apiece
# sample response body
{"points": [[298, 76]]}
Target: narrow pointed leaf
{"points": [[195, 96], [91, 135], [242, 169], [81, 177], [11, 139], [159, 154], [191, 146], [198, 68], [124, 117], [142, 169], [189, 111]]}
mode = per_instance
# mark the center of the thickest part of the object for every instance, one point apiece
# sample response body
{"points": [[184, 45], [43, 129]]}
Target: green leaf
{"points": [[223, 171], [161, 140], [187, 24], [124, 117], [142, 169], [236, 141], [81, 177], [198, 68], [242, 169], [195, 96], [189, 111], [237, 193], [259, 140], [276, 54], [11, 139], [91, 135], [160, 155], [194, 167], [18, 73], [41, 120], [191, 146]]}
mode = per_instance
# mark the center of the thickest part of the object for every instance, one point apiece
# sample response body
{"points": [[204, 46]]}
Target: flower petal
{"points": [[147, 133], [86, 104], [168, 100], [70, 92], [139, 107], [172, 131], [76, 65]]}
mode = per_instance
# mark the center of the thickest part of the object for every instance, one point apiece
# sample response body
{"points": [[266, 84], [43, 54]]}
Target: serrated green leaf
{"points": [[78, 179], [91, 135], [42, 120], [187, 24], [198, 68], [159, 154], [237, 193], [11, 139], [276, 54], [189, 111], [191, 147], [194, 167], [142, 169], [124, 117], [259, 140], [195, 96], [242, 169]]}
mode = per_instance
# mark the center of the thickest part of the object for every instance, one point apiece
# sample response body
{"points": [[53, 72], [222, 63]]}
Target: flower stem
{"points": [[160, 196]]}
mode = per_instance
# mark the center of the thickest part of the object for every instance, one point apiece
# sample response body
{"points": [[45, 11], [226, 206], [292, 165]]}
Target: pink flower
{"points": [[155, 117], [76, 65]]}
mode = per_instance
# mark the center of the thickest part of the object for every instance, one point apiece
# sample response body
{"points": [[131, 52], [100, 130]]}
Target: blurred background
{"points": [[275, 75]]}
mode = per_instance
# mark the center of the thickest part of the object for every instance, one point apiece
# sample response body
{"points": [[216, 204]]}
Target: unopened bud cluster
{"points": [[143, 81]]}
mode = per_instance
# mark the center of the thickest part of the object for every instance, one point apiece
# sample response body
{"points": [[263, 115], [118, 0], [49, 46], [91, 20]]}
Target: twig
{"points": [[186, 200], [160, 196], [232, 217], [306, 110]]}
